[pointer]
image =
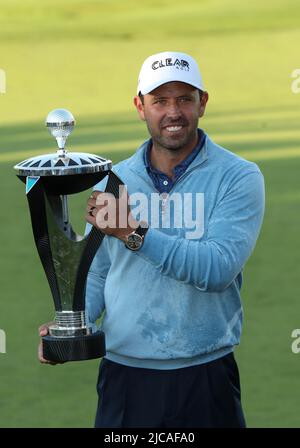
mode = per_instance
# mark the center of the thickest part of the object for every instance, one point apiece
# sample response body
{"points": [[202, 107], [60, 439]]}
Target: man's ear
{"points": [[203, 102], [139, 107]]}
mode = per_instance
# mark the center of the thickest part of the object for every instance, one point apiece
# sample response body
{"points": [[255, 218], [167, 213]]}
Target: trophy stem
{"points": [[61, 142], [69, 323]]}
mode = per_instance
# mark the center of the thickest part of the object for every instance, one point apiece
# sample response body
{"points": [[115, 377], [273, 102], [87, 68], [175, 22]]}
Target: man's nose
{"points": [[173, 110]]}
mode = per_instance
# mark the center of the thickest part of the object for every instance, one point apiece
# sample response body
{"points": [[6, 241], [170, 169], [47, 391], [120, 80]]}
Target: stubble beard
{"points": [[172, 143]]}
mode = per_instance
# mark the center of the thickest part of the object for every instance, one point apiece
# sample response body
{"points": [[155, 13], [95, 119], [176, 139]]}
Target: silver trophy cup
{"points": [[65, 256]]}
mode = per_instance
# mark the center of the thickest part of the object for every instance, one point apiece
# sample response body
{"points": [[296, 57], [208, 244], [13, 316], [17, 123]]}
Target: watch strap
{"points": [[142, 230]]}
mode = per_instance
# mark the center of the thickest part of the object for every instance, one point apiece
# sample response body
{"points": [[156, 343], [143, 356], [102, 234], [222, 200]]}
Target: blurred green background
{"points": [[85, 56]]}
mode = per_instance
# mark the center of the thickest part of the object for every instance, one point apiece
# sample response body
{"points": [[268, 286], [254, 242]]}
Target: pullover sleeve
{"points": [[213, 263]]}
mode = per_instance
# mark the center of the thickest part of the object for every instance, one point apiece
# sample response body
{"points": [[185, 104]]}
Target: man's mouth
{"points": [[174, 128]]}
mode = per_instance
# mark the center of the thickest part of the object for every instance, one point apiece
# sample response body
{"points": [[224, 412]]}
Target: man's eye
{"points": [[160, 101], [184, 99]]}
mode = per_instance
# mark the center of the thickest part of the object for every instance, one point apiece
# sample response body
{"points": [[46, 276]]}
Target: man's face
{"points": [[172, 112]]}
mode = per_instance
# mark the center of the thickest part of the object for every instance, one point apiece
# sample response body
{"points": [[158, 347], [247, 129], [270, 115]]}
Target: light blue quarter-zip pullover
{"points": [[176, 302]]}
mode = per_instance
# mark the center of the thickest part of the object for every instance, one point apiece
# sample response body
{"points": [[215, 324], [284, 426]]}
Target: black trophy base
{"points": [[77, 348]]}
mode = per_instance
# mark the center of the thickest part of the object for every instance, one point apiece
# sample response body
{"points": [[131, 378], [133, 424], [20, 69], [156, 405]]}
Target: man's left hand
{"points": [[111, 215]]}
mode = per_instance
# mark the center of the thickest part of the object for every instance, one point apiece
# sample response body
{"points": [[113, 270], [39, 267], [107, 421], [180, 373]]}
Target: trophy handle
{"points": [[37, 206]]}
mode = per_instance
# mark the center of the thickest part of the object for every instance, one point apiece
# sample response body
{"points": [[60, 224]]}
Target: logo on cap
{"points": [[180, 64]]}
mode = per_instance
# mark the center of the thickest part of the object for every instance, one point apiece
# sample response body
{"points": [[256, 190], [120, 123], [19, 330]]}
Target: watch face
{"points": [[134, 241]]}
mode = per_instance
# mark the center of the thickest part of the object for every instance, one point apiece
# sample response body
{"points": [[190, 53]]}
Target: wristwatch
{"points": [[135, 239]]}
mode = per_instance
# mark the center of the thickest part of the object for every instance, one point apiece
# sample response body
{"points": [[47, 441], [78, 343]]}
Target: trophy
{"points": [[65, 255]]}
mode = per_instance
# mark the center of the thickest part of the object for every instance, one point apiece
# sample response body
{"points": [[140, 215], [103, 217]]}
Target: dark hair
{"points": [[141, 96], [200, 93]]}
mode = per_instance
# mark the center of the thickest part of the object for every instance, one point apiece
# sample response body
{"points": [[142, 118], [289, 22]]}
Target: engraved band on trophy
{"points": [[65, 256]]}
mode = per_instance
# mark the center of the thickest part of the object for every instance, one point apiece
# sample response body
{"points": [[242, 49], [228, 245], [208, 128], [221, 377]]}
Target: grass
{"points": [[85, 56]]}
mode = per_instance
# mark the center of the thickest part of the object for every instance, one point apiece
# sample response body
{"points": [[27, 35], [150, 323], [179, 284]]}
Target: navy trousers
{"points": [[202, 396]]}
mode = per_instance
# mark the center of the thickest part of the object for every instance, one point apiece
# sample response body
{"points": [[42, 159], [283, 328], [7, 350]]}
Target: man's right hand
{"points": [[43, 331]]}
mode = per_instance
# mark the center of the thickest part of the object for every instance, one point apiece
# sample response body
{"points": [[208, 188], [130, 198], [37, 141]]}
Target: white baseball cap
{"points": [[166, 67]]}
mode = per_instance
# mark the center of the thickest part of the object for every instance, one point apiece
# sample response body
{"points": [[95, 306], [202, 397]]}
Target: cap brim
{"points": [[159, 83]]}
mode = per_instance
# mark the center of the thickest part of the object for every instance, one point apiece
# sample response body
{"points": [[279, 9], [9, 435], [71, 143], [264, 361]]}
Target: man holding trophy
{"points": [[170, 300]]}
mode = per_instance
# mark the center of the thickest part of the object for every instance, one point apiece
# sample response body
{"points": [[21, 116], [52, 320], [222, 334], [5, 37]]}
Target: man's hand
{"points": [[43, 331], [112, 216]]}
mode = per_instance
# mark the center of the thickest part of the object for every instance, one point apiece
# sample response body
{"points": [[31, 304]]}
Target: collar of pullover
{"points": [[137, 161]]}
